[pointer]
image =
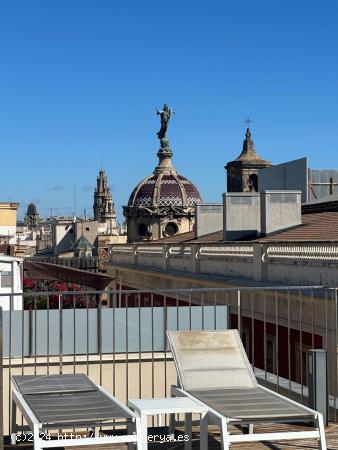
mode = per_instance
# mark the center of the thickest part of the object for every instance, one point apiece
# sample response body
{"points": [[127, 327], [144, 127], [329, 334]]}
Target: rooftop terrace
{"points": [[121, 344]]}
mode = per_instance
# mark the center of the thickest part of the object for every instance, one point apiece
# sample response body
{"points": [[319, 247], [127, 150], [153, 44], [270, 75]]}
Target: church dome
{"points": [[162, 189], [31, 210], [162, 204]]}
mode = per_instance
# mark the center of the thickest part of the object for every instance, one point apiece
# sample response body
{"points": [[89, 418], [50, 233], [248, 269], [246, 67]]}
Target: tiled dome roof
{"points": [[162, 189]]}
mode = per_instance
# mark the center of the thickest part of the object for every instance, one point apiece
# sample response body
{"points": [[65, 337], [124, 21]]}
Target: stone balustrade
{"points": [[291, 262]]}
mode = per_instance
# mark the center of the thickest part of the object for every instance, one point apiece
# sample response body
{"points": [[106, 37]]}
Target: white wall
{"points": [[13, 282], [241, 215], [208, 218], [10, 231], [62, 237]]}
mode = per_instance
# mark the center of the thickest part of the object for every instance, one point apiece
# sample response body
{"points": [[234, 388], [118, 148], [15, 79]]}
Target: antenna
{"points": [[74, 202]]}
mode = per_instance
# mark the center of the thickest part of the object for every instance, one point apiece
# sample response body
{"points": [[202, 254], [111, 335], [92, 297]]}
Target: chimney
{"points": [[280, 210], [241, 215]]}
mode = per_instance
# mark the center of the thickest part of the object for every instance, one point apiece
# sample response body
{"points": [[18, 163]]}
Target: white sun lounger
{"points": [[212, 367], [61, 402]]}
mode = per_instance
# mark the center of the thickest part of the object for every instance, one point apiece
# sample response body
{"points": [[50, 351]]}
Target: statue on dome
{"points": [[165, 114]]}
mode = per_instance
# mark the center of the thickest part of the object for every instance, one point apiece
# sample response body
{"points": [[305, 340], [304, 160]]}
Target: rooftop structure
{"points": [[8, 211], [83, 247], [243, 172], [32, 217], [104, 208]]}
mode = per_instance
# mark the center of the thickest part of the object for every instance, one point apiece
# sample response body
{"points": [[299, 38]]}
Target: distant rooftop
{"points": [[328, 203]]}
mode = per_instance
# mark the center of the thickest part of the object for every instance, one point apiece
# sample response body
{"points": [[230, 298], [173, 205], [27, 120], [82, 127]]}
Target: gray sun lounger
{"points": [[213, 368], [61, 402]]}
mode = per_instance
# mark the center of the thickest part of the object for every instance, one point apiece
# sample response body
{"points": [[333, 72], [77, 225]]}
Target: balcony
{"points": [[119, 340]]}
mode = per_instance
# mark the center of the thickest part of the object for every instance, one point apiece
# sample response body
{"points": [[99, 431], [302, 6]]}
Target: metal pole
{"points": [[239, 313], [1, 385], [317, 381]]}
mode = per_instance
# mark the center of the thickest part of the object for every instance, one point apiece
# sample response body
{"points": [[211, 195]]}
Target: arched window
{"points": [[253, 183]]}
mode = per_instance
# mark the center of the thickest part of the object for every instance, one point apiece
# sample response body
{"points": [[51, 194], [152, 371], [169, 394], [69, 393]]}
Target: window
{"points": [[253, 182], [143, 230], [5, 279], [302, 367], [271, 354], [171, 229]]}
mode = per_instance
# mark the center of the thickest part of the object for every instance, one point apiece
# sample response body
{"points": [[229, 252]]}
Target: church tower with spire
{"points": [[243, 172], [104, 209]]}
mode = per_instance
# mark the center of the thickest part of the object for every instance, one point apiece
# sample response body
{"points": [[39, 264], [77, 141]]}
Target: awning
{"points": [[36, 270]]}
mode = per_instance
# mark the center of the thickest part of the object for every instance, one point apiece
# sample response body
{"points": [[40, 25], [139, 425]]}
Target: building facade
{"points": [[8, 211]]}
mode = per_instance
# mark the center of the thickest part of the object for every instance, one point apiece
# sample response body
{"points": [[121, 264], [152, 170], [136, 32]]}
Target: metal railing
{"points": [[121, 343]]}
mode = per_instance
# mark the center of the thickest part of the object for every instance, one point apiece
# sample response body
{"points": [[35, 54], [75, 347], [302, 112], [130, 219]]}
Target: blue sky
{"points": [[80, 81]]}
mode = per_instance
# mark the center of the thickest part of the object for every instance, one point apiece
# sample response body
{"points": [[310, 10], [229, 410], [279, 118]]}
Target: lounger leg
{"points": [[172, 424], [36, 438], [172, 417], [13, 424], [224, 435], [322, 438], [188, 431], [131, 427], [251, 428], [144, 432], [204, 432], [139, 432]]}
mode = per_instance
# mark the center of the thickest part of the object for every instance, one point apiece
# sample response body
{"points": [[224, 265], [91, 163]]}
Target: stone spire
{"points": [[248, 151], [104, 208]]}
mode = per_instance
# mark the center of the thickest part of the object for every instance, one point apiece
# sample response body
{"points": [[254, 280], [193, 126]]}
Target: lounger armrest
{"points": [[25, 409], [308, 410]]}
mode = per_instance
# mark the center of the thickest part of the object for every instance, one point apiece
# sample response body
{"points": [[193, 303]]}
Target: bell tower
{"points": [[243, 172], [104, 209]]}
